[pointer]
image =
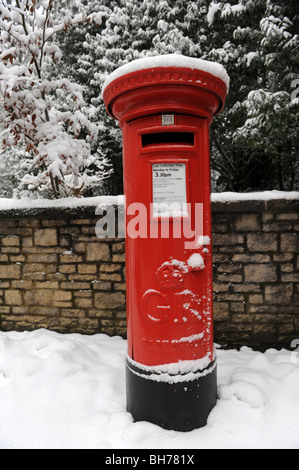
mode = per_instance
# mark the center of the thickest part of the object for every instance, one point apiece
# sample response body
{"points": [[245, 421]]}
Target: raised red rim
{"points": [[165, 76]]}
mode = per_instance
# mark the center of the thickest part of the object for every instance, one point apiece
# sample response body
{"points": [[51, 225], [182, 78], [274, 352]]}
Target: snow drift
{"points": [[68, 392]]}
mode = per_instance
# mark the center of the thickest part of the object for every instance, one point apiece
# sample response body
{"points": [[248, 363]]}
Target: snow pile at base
{"points": [[169, 60], [68, 392]]}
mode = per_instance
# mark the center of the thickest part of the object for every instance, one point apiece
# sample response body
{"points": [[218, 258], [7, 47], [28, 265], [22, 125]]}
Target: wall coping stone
{"points": [[75, 207], [61, 208], [256, 201]]}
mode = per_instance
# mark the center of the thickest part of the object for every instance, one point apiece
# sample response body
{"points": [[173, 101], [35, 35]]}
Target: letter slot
{"points": [[167, 138]]}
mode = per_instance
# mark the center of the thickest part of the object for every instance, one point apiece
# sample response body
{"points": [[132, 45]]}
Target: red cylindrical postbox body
{"points": [[164, 106]]}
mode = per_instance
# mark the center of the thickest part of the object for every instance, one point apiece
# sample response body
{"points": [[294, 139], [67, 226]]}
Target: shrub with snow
{"points": [[45, 117]]}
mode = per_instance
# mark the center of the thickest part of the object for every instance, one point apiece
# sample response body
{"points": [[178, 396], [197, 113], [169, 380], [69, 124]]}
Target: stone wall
{"points": [[56, 273], [256, 272]]}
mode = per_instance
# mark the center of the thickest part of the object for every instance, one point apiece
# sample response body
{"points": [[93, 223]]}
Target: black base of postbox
{"points": [[180, 405]]}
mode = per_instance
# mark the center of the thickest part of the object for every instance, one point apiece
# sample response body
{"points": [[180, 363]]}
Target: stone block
{"points": [[110, 300], [227, 277], [42, 258], [290, 242], [118, 248], [13, 297], [267, 216], [75, 285], [221, 311], [20, 310], [231, 268], [119, 258], [237, 307], [67, 268], [52, 285], [251, 258], [120, 286], [10, 271], [83, 303], [21, 284], [45, 237], [87, 268], [247, 223], [290, 277], [41, 297], [40, 276], [256, 298], [62, 296], [10, 241], [11, 249], [260, 273], [69, 257], [40, 268], [262, 242], [110, 267], [97, 252], [102, 285], [81, 277], [17, 259], [110, 277], [288, 216], [227, 239], [281, 226]]}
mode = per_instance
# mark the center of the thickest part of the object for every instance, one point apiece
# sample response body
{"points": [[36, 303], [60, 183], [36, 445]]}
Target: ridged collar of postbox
{"points": [[171, 69]]}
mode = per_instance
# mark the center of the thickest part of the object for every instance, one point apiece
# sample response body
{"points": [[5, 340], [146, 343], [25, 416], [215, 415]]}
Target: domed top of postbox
{"points": [[168, 83]]}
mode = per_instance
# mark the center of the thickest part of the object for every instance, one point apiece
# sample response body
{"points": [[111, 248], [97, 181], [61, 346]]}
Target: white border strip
{"points": [[171, 379]]}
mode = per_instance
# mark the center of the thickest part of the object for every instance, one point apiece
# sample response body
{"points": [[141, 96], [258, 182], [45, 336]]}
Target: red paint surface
{"points": [[169, 304]]}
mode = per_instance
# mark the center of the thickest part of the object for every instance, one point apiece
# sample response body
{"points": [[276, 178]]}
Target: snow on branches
{"points": [[45, 116]]}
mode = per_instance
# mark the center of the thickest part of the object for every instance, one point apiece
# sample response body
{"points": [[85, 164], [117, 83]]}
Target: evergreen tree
{"points": [[129, 30], [83, 52], [254, 140]]}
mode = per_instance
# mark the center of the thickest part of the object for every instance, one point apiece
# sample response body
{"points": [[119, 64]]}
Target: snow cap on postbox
{"points": [[208, 81]]}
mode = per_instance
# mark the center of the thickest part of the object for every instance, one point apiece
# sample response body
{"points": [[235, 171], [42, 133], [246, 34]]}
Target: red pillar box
{"points": [[164, 106]]}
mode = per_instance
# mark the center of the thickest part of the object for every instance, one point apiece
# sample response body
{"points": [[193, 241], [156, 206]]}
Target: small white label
{"points": [[167, 119], [169, 189]]}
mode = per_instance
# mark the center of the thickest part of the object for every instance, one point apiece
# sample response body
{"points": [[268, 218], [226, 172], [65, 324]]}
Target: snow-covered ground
{"points": [[68, 391]]}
